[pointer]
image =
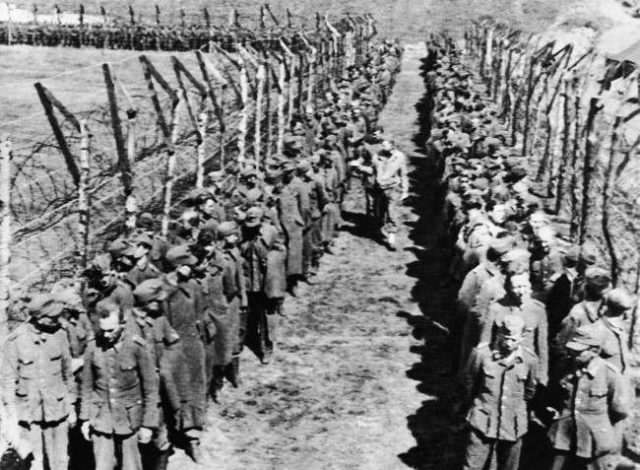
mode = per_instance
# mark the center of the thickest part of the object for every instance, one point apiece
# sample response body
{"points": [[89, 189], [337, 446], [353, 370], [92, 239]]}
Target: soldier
{"points": [[518, 301], [186, 311], [293, 208], [499, 380], [586, 312], [168, 357], [119, 392], [546, 262], [144, 268], [258, 240], [587, 402], [38, 364], [317, 201]]}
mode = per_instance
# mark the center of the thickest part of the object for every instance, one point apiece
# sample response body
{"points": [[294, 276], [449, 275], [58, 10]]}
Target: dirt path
{"points": [[337, 395]]}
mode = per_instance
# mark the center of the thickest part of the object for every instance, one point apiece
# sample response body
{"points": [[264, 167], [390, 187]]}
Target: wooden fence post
{"points": [[203, 119], [131, 205], [5, 234], [282, 72], [83, 196], [260, 78], [244, 113], [267, 109], [170, 169]]}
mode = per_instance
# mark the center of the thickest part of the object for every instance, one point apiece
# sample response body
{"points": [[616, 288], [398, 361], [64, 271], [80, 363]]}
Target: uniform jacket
{"points": [[589, 401], [535, 335], [583, 313], [119, 388], [40, 365], [499, 389], [142, 271], [290, 207]]}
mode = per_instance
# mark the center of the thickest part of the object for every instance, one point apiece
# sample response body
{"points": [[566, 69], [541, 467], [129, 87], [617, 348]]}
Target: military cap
{"points": [[180, 255], [227, 228], [105, 306], [216, 176], [511, 325], [597, 277], [146, 219], [198, 196], [210, 226], [272, 176], [619, 299], [44, 305], [572, 254], [143, 239], [481, 184], [149, 290], [303, 166], [119, 247], [588, 253], [69, 298], [250, 171], [585, 337], [253, 195], [502, 245], [254, 216]]}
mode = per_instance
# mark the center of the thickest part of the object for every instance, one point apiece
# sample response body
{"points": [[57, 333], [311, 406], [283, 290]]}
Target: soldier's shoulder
{"points": [[529, 354], [610, 368], [139, 340], [18, 332]]}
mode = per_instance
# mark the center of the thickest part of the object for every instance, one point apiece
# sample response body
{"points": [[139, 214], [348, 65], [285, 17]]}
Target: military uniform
{"points": [[590, 401], [535, 329], [119, 396], [499, 388], [293, 208], [40, 365]]}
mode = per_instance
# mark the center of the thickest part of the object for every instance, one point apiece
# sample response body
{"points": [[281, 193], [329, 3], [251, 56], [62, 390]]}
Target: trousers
{"points": [[116, 452], [483, 453], [49, 443]]}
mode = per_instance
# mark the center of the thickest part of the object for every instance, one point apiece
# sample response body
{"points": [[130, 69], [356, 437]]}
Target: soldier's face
{"points": [[45, 323], [231, 239], [109, 326], [520, 286], [208, 207], [508, 343], [141, 250]]}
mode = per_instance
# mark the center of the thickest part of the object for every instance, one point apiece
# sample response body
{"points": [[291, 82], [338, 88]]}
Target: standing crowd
{"points": [[542, 341], [116, 367]]}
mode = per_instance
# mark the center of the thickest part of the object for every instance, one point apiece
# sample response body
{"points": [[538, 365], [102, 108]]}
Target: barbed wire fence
{"points": [[572, 116], [117, 138]]}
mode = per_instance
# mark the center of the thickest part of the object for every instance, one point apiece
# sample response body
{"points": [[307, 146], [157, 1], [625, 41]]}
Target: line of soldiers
{"points": [[541, 341], [138, 37], [113, 369]]}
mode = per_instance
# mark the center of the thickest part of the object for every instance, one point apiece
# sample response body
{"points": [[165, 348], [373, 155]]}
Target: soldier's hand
{"points": [[86, 430], [144, 435]]}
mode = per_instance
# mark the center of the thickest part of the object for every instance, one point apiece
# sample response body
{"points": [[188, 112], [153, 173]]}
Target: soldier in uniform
{"points": [[119, 392], [186, 311], [518, 301], [293, 208], [168, 357], [144, 268], [499, 381], [587, 401], [38, 363]]}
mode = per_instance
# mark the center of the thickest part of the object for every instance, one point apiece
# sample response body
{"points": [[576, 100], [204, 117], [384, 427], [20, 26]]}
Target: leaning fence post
{"points": [[203, 119], [244, 113], [282, 72], [170, 169], [131, 205], [260, 77], [5, 233], [83, 196]]}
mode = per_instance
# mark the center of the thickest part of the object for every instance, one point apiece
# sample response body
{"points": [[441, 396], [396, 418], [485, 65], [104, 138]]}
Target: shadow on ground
{"points": [[432, 425]]}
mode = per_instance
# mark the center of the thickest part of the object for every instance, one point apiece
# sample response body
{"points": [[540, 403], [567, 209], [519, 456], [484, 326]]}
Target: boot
{"points": [[162, 461], [232, 372], [194, 451]]}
